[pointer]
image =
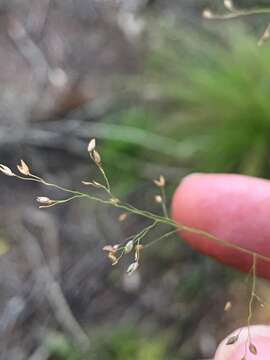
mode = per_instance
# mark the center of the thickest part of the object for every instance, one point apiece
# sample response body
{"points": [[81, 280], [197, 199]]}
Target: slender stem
{"points": [[151, 216], [42, 181], [139, 238], [161, 238], [239, 13], [146, 214], [58, 202], [265, 36], [108, 187], [223, 242], [141, 235], [252, 297], [164, 206]]}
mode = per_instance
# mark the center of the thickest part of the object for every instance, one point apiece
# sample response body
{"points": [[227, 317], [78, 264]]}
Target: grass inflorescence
{"points": [[234, 12], [135, 244]]}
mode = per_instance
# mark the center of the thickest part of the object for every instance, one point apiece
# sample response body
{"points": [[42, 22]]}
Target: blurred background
{"points": [[164, 92]]}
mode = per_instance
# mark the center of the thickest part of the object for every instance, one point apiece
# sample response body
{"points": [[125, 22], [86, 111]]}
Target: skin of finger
{"points": [[235, 208], [260, 337]]}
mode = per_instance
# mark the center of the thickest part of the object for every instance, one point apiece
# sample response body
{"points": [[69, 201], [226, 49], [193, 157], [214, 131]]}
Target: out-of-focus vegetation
{"points": [[201, 105], [198, 102], [209, 96], [123, 343]]}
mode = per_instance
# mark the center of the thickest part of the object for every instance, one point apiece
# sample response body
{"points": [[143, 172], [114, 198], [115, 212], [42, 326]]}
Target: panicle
{"points": [[6, 170]]}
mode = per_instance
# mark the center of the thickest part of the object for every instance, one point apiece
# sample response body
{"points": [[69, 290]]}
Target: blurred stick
{"points": [[265, 36], [40, 354], [29, 50], [52, 133], [38, 17], [52, 290]]}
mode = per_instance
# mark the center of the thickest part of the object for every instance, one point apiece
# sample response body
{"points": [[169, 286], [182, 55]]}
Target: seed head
{"points": [[158, 199], [91, 145], [122, 217], [132, 267], [6, 170], [97, 184], [111, 248], [138, 248], [93, 183], [87, 183], [227, 306], [23, 168], [207, 14], [108, 248], [96, 157], [44, 200], [113, 258], [232, 340], [160, 182], [265, 36], [252, 348], [114, 200], [129, 246], [228, 5]]}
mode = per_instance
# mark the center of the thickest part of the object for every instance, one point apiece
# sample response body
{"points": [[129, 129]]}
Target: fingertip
{"points": [[260, 338], [233, 208], [186, 186]]}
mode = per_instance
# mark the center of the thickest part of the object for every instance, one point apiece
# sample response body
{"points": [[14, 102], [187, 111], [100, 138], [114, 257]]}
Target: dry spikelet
{"points": [[96, 184], [160, 182], [158, 199], [129, 246], [23, 168], [6, 170], [138, 248], [252, 348], [114, 201], [111, 248], [44, 200], [87, 183], [207, 14], [132, 267], [96, 157], [227, 306], [122, 217], [91, 145], [113, 258], [232, 340], [228, 4], [265, 36], [108, 248]]}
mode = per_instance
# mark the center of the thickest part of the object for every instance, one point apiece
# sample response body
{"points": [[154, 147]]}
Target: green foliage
{"points": [[125, 343], [209, 100], [121, 343], [61, 348], [220, 88]]}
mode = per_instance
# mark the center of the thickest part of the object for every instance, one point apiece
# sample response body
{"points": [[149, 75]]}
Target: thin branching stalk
{"points": [[238, 13], [252, 296], [136, 243], [234, 13]]}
